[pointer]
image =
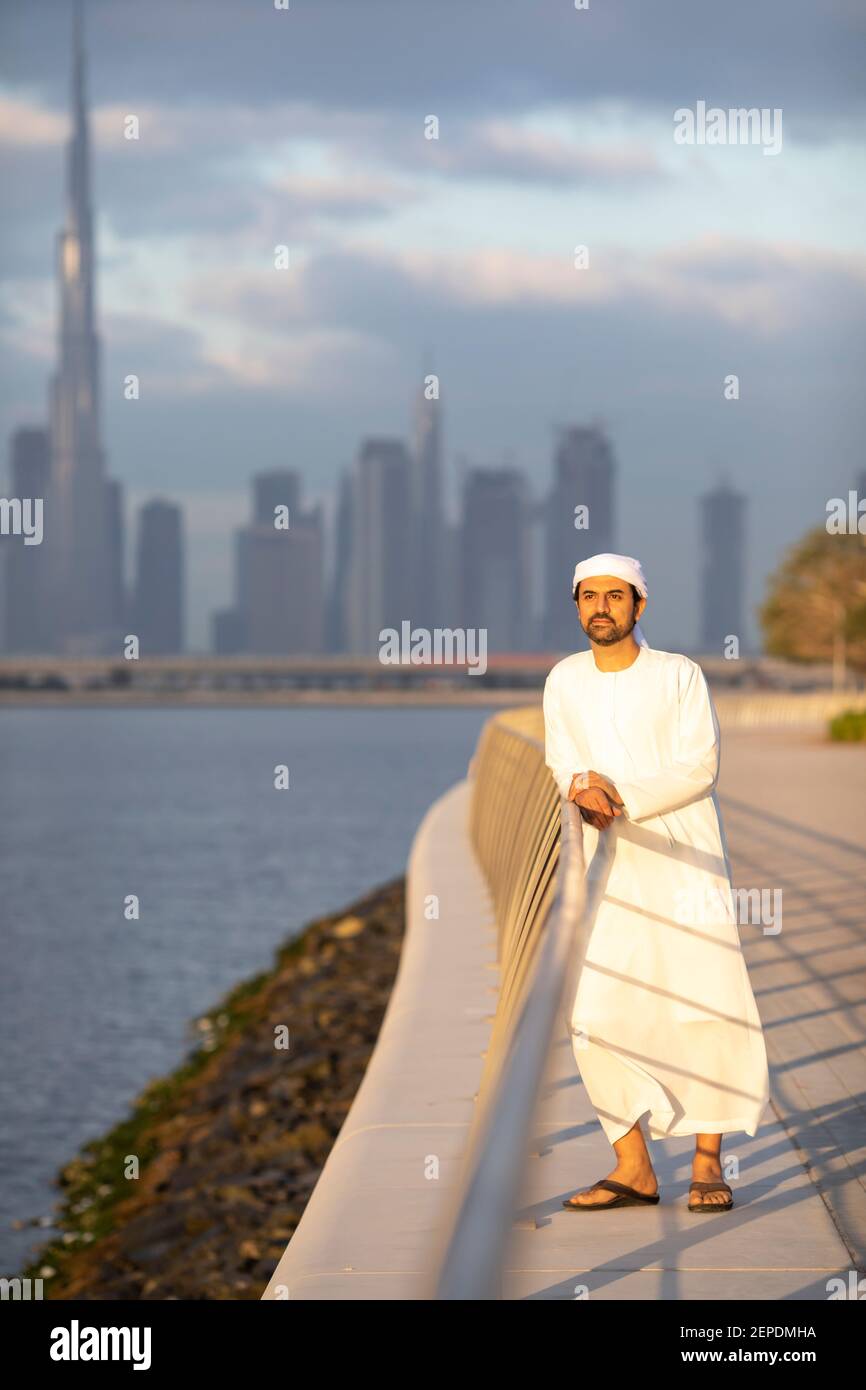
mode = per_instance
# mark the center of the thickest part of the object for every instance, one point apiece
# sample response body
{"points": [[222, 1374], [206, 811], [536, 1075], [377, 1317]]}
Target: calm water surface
{"points": [[177, 806]]}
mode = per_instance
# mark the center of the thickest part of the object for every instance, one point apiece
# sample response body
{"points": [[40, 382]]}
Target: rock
{"points": [[350, 926]]}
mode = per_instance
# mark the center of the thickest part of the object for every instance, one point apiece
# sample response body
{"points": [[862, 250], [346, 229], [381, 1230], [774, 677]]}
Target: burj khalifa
{"points": [[82, 503]]}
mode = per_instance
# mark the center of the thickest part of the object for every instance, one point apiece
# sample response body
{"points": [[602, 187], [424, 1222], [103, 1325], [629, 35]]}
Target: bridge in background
{"points": [[301, 678]]}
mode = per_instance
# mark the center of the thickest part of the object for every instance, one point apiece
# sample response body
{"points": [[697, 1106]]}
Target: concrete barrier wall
{"points": [[370, 1228]]}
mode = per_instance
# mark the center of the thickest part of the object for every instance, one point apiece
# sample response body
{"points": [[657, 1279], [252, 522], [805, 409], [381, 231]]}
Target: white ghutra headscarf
{"points": [[623, 567]]}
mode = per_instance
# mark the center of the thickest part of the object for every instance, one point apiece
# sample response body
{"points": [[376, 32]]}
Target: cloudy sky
{"points": [[306, 127]]}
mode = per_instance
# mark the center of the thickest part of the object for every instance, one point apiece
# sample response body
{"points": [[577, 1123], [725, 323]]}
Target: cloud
{"points": [[232, 171], [24, 123], [769, 289], [498, 149], [460, 56], [356, 196]]}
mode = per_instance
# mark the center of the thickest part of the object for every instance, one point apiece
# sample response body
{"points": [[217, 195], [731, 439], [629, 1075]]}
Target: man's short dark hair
{"points": [[634, 591]]}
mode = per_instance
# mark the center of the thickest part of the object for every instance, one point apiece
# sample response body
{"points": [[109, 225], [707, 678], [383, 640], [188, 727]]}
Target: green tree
{"points": [[815, 608]]}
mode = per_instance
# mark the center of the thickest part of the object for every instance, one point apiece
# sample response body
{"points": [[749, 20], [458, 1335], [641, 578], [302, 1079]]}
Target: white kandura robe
{"points": [[664, 1019]]}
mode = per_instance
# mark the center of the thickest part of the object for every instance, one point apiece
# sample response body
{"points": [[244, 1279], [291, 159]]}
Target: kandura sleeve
{"points": [[560, 753], [695, 769]]}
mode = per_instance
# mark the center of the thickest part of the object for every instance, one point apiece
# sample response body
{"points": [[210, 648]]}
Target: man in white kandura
{"points": [[664, 1021]]}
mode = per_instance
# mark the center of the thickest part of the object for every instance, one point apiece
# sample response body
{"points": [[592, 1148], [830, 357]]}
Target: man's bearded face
{"points": [[606, 610]]}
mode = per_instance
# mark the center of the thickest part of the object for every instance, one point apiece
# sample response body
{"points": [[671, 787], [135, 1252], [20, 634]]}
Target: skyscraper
{"points": [[284, 586], [723, 521], [158, 607], [495, 560], [279, 488], [381, 576], [280, 599], [228, 635], [337, 627], [227, 632], [116, 551], [78, 506], [584, 472], [427, 517]]}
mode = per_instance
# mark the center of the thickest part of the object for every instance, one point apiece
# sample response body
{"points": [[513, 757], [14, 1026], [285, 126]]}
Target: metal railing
{"points": [[529, 842]]}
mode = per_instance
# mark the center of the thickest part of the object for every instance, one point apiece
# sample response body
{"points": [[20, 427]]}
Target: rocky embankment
{"points": [[231, 1144]]}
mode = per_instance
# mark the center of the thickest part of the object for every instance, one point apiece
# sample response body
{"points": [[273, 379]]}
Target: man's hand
{"points": [[597, 798], [584, 780], [596, 807]]}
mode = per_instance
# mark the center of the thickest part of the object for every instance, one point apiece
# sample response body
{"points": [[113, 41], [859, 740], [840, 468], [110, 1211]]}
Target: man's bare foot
{"points": [[642, 1179], [707, 1168]]}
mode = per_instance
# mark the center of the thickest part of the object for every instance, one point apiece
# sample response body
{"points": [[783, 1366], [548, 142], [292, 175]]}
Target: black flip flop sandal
{"points": [[629, 1198], [711, 1187]]}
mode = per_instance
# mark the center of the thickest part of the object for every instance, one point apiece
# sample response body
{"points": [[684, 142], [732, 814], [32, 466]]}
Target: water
{"points": [[179, 807]]}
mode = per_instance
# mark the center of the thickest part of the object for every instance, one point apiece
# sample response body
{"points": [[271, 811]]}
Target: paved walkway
{"points": [[794, 815]]}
